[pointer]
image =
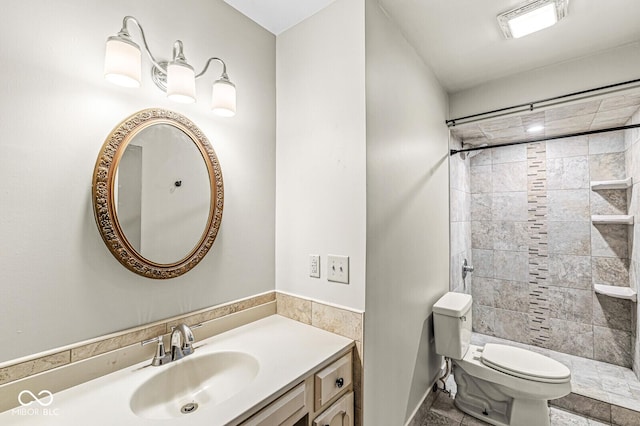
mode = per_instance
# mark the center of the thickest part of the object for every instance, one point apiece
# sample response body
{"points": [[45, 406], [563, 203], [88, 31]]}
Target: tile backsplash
{"points": [[342, 321], [17, 369]]}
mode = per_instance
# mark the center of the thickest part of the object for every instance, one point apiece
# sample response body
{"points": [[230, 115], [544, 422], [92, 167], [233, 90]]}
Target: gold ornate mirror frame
{"points": [[103, 193]]}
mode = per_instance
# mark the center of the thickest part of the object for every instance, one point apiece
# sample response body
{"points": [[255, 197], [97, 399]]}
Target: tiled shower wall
{"points": [[460, 200], [536, 253], [632, 157]]}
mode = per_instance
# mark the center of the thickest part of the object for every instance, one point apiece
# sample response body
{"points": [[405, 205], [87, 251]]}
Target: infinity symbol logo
{"points": [[42, 394]]}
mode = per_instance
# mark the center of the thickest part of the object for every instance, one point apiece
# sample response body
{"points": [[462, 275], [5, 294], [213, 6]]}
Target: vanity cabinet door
{"points": [[285, 411], [339, 414]]}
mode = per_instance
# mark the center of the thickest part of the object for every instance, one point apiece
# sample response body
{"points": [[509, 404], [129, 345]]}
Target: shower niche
{"points": [[621, 290]]}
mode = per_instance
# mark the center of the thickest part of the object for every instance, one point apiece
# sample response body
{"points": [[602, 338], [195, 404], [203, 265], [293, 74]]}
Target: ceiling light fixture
{"points": [[532, 16], [123, 64], [535, 129]]}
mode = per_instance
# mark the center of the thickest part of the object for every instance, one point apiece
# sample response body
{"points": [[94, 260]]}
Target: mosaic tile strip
{"points": [[537, 209]]}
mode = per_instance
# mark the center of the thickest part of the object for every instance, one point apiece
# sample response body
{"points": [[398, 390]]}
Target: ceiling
{"points": [[461, 40], [610, 111], [278, 15], [462, 43]]}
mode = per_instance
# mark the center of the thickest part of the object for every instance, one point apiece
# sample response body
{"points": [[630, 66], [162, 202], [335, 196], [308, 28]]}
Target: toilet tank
{"points": [[452, 324]]}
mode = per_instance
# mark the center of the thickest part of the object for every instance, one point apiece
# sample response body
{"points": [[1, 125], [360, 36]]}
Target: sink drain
{"points": [[189, 408]]}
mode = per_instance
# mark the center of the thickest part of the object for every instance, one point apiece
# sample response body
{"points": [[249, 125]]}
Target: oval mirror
{"points": [[158, 194]]}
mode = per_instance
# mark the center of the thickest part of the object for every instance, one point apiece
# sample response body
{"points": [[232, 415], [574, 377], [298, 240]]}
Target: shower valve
{"points": [[466, 268]]}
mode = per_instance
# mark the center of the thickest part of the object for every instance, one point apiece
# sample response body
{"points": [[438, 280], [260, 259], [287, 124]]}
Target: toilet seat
{"points": [[524, 364]]}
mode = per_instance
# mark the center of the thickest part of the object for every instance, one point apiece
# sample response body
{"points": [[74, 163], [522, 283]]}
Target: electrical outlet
{"points": [[314, 265], [338, 269]]}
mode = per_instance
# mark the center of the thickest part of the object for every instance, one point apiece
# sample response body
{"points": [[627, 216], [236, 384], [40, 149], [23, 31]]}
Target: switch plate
{"points": [[314, 265], [338, 269]]}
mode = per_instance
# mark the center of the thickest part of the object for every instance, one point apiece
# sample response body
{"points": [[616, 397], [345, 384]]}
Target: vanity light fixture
{"points": [[532, 16], [123, 64]]}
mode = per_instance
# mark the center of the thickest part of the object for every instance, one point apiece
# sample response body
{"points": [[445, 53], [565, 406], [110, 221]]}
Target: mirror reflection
{"points": [[162, 194]]}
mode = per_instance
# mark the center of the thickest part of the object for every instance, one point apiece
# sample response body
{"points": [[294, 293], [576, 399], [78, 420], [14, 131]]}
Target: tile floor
{"points": [[444, 413], [598, 380]]}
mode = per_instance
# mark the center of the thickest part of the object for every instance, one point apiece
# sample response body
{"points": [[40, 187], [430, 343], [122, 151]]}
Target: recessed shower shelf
{"points": [[599, 185], [614, 219], [617, 292]]}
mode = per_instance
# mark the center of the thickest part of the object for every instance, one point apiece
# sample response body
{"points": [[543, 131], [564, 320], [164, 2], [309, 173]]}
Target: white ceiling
{"points": [[278, 15], [461, 40]]}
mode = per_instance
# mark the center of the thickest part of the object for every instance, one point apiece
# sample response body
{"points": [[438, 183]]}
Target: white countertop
{"points": [[287, 352]]}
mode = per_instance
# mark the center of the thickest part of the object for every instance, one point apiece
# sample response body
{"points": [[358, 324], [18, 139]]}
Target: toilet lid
{"points": [[524, 364]]}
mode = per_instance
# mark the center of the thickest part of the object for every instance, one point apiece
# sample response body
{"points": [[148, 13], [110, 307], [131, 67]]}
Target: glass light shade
{"points": [[123, 62], [181, 83], [223, 98], [535, 20]]}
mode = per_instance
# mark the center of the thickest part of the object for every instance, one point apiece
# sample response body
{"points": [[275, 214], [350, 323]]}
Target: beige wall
{"points": [[320, 177], [407, 222], [59, 283]]}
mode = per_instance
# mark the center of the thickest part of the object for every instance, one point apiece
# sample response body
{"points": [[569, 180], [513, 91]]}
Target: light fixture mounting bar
{"points": [[159, 69]]}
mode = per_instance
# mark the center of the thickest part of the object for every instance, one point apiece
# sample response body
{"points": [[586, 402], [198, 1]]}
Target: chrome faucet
{"points": [[181, 340], [181, 345]]}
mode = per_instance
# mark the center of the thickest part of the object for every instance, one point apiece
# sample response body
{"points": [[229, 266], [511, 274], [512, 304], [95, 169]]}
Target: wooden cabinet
{"points": [[324, 398], [339, 414], [285, 411]]}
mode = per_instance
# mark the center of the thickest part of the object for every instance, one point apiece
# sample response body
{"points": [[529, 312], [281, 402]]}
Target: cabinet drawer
{"points": [[282, 411], [339, 414], [332, 380]]}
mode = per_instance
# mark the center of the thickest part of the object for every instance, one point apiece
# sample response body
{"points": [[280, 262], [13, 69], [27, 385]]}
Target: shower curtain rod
{"points": [[530, 106], [546, 138]]}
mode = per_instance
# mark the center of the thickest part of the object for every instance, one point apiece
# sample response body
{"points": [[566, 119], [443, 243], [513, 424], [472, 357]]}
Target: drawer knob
{"points": [[340, 382]]}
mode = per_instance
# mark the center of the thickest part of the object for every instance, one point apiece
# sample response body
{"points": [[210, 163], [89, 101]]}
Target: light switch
{"points": [[338, 269]]}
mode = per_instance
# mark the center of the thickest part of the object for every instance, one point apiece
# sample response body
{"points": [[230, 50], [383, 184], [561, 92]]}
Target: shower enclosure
{"points": [[541, 230]]}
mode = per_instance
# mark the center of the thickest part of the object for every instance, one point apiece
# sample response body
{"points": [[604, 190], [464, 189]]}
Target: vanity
{"points": [[245, 365], [273, 371]]}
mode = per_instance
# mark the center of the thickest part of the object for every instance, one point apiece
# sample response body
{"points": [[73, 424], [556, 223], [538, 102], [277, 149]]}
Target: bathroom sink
{"points": [[192, 384]]}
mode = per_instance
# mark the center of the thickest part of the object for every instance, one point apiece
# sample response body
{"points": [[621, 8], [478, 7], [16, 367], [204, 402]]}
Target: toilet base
{"points": [[529, 415], [488, 402]]}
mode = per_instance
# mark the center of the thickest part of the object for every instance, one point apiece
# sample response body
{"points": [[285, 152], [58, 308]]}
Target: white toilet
{"points": [[499, 384]]}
